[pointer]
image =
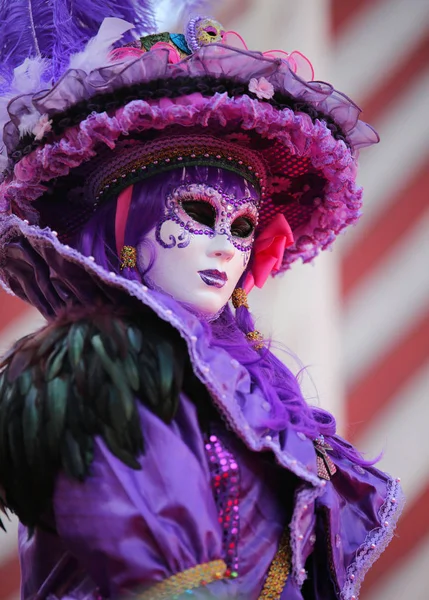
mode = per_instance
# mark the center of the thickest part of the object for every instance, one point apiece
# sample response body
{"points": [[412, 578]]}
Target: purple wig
{"points": [[228, 331]]}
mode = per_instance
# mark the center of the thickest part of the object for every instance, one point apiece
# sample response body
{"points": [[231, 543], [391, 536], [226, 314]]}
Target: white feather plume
{"points": [[96, 52], [27, 79]]}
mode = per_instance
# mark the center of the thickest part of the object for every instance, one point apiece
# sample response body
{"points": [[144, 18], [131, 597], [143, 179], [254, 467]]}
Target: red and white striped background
{"points": [[380, 58]]}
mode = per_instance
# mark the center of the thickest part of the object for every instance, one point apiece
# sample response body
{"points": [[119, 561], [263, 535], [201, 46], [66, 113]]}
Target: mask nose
{"points": [[221, 247]]}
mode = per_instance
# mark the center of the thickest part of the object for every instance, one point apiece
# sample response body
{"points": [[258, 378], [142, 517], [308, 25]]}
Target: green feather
{"points": [[31, 424], [131, 372], [135, 338], [76, 342], [118, 418], [8, 399], [15, 443], [56, 405], [101, 402], [71, 457], [165, 365], [3, 384], [55, 362], [113, 369], [119, 333], [25, 381], [49, 337], [121, 453]]}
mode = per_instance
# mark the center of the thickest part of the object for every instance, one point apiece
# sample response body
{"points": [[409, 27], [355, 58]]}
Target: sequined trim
{"points": [[128, 257], [226, 486], [186, 581], [278, 571]]}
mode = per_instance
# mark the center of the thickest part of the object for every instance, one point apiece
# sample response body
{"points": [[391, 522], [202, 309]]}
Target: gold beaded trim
{"points": [[255, 336], [190, 579], [278, 571], [128, 257], [162, 154], [239, 298]]}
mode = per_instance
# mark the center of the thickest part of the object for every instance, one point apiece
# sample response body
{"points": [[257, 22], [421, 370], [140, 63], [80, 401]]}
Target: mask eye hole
{"points": [[242, 227], [201, 212]]}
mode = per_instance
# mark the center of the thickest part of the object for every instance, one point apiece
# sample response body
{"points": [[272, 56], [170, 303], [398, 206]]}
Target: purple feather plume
{"points": [[79, 21], [26, 31], [56, 29]]}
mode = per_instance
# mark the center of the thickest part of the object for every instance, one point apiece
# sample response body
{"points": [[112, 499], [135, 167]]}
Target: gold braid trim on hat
{"points": [[140, 160], [185, 581]]}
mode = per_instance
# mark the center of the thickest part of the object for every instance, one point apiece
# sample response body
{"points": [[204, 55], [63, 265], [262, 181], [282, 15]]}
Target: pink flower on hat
{"points": [[262, 88]]}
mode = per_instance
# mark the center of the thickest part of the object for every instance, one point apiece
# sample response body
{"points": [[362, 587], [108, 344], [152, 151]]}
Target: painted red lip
{"points": [[213, 277]]}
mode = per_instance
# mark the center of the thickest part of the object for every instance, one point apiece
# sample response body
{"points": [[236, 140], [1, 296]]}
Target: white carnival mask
{"points": [[202, 245]]}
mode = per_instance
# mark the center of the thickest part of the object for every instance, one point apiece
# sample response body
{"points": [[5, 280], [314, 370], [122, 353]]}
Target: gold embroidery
{"points": [[278, 571], [186, 580]]}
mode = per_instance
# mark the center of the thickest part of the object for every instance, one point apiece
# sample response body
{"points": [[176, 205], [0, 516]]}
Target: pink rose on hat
{"points": [[262, 88]]}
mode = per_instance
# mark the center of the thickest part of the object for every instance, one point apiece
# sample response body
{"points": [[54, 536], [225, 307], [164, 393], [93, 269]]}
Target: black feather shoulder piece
{"points": [[79, 377]]}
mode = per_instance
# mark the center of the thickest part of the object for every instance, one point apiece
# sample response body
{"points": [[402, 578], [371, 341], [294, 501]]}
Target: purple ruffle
{"points": [[295, 131], [215, 60], [376, 541]]}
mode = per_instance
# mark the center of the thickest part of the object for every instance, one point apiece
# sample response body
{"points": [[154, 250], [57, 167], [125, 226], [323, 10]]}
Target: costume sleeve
{"points": [[132, 528], [356, 518]]}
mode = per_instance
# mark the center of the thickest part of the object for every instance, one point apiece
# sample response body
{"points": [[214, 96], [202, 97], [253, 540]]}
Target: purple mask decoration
{"points": [[202, 209]]}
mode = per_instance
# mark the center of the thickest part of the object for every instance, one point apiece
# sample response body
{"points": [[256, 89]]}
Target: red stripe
{"points": [[368, 397], [11, 308], [10, 576], [405, 209], [406, 71], [413, 527], [344, 11]]}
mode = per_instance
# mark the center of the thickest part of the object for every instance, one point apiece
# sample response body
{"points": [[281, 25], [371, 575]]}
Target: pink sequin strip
{"points": [[226, 486]]}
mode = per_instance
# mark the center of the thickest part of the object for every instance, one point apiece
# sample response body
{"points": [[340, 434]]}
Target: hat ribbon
{"points": [[268, 251], [121, 217]]}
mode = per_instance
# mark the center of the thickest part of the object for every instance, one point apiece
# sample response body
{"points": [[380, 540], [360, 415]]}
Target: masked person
{"points": [[150, 442]]}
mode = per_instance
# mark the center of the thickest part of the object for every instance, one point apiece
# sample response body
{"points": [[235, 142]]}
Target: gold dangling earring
{"points": [[239, 298], [128, 257]]}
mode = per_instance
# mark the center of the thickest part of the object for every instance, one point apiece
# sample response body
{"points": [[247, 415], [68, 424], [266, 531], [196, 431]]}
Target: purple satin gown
{"points": [[122, 530]]}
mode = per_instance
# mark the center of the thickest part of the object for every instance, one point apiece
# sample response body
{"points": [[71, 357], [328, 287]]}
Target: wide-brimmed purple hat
{"points": [[200, 98]]}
